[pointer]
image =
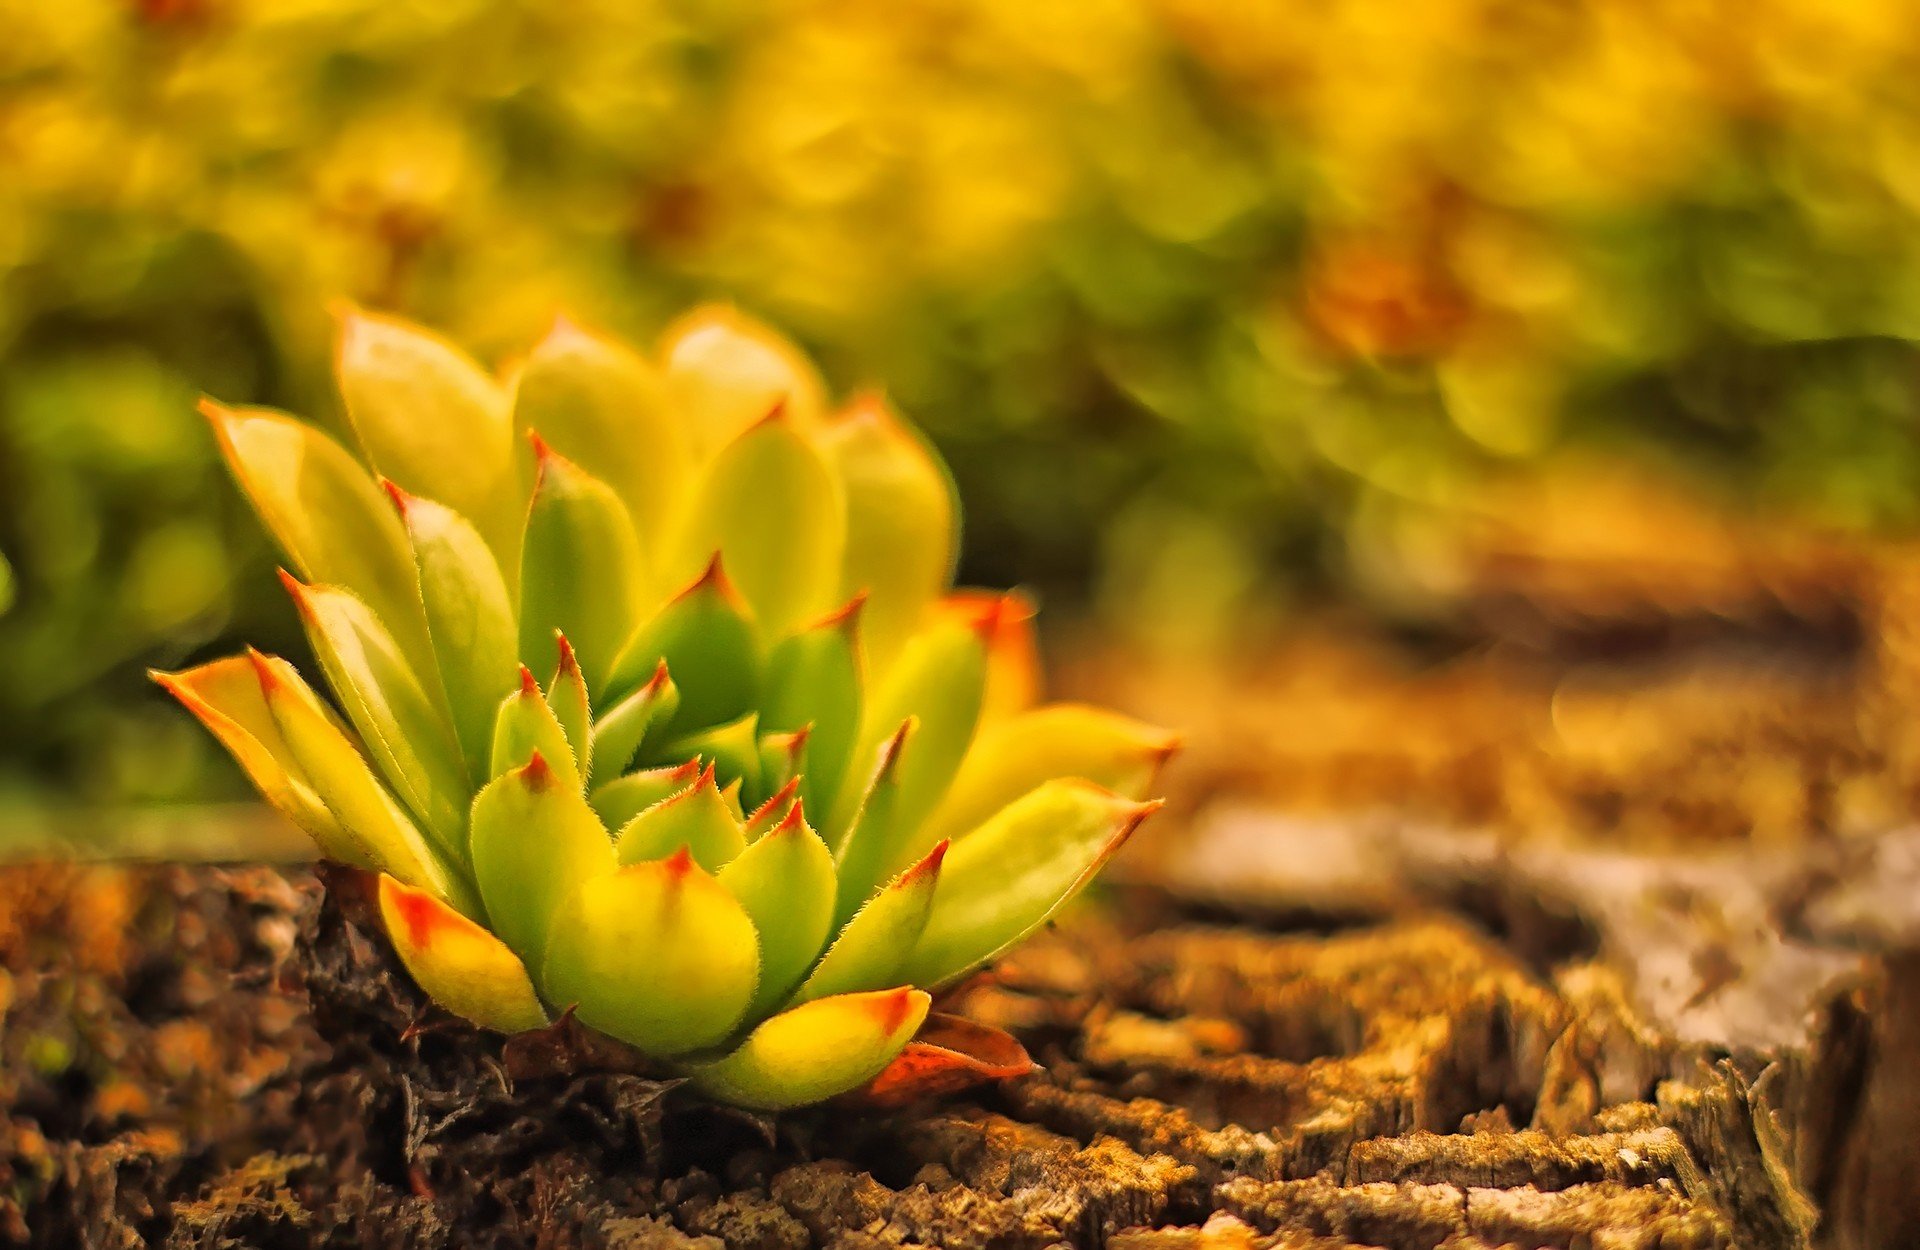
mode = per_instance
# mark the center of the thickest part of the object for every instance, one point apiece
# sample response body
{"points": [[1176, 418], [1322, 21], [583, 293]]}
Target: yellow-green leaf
{"points": [[634, 721], [815, 1050], [697, 818], [813, 682], [785, 882], [725, 371], [656, 954], [526, 726], [707, 639], [580, 569], [535, 841], [460, 965], [874, 944], [618, 802], [1004, 879], [567, 696]]}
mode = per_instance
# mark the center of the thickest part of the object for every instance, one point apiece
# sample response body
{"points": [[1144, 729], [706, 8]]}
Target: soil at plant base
{"points": [[212, 1058]]}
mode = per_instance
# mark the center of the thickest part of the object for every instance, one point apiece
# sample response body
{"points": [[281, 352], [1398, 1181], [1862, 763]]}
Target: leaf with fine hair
{"points": [[580, 568], [813, 682], [706, 637], [697, 819], [872, 841], [535, 841], [572, 707], [526, 726], [656, 954], [1002, 880], [872, 946], [460, 965], [814, 1051], [786, 884], [634, 721]]}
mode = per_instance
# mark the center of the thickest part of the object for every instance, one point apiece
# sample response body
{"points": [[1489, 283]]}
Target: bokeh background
{"points": [[1222, 312]]}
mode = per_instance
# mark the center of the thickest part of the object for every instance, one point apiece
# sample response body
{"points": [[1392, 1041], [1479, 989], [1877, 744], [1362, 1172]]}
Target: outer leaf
{"points": [[725, 371], [771, 508], [656, 954], [323, 509], [939, 680], [607, 410], [815, 1051], [875, 835], [370, 816], [618, 802], [948, 1054], [567, 696], [535, 841], [903, 520], [432, 420], [408, 736], [1063, 740], [460, 965], [225, 696], [630, 723], [469, 615], [526, 726], [1013, 651], [580, 569], [1005, 878], [873, 945], [706, 637], [785, 882], [697, 819], [813, 680]]}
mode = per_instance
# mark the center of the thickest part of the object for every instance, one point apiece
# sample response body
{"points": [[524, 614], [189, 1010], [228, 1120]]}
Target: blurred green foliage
{"points": [[1205, 301]]}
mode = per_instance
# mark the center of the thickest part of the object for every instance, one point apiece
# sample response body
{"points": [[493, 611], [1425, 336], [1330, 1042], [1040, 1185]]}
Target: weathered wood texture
{"points": [[1404, 1080]]}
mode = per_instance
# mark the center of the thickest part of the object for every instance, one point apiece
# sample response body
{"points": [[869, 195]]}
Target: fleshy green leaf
{"points": [[333, 766], [708, 641], [902, 521], [815, 1051], [767, 817], [939, 680], [407, 734], [1005, 878], [324, 510], [580, 570], [618, 802], [432, 420], [460, 965], [874, 944], [813, 680], [1013, 756], [526, 726], [535, 841], [225, 696], [469, 616], [771, 508], [606, 409], [732, 748], [873, 838], [567, 696], [783, 757], [786, 884], [635, 721], [696, 818], [725, 371], [656, 954]]}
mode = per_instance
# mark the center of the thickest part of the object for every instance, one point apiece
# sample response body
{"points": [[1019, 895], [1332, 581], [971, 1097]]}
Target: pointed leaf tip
{"points": [[297, 591], [401, 499], [678, 865], [569, 663], [538, 774], [928, 866]]}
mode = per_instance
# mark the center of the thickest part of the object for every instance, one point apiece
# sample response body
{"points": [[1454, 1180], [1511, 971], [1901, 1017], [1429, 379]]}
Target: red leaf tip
{"points": [[794, 821], [569, 663], [929, 866], [263, 669], [846, 617], [891, 1008], [784, 795], [538, 774], [528, 685], [296, 590], [400, 497], [678, 865]]}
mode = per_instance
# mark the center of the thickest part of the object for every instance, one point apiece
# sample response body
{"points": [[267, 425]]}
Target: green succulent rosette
{"points": [[652, 700]]}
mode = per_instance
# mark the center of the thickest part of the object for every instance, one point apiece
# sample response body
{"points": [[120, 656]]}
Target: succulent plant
{"points": [[655, 704]]}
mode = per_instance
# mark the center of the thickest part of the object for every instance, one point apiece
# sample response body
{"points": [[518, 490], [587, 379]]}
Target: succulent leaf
{"points": [[225, 696], [697, 819], [815, 1050], [872, 839], [772, 510], [432, 420], [527, 726], [618, 802], [631, 722], [874, 944], [324, 510], [459, 964], [785, 882], [409, 736], [1014, 755], [902, 521], [470, 618], [605, 408], [1005, 878], [733, 749], [813, 682], [581, 571], [334, 767], [567, 696], [708, 641], [535, 841], [657, 954], [725, 371], [767, 817]]}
